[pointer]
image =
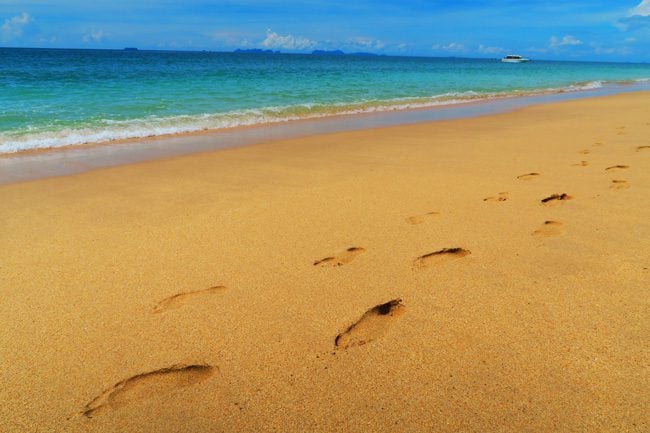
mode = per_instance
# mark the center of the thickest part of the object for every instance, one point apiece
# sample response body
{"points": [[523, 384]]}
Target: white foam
{"points": [[112, 130]]}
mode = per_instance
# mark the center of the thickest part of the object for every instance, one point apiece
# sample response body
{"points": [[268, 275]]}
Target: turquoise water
{"points": [[53, 98]]}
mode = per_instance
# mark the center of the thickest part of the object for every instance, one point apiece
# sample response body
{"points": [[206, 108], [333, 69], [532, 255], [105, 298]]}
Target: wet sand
{"points": [[475, 275]]}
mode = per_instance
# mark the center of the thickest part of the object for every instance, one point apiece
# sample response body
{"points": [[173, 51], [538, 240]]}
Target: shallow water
{"points": [[54, 98]]}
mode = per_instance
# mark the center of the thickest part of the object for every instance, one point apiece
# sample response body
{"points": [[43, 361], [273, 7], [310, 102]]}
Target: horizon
{"points": [[572, 31], [130, 49]]}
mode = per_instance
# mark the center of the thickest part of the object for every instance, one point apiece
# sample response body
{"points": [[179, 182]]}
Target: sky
{"points": [[601, 30]]}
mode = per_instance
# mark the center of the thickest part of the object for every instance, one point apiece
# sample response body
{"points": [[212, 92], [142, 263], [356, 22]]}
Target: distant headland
{"points": [[256, 51]]}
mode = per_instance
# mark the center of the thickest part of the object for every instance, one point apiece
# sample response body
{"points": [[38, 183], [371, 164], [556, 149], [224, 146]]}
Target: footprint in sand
{"points": [[581, 164], [340, 259], [555, 199], [502, 196], [419, 219], [585, 152], [147, 385], [617, 167], [641, 148], [597, 144], [180, 299], [439, 257], [528, 176], [619, 184], [549, 228], [373, 324]]}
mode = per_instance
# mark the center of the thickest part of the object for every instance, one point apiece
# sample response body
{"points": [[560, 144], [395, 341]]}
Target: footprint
{"points": [[341, 259], [581, 164], [619, 184], [617, 167], [555, 198], [502, 196], [419, 219], [439, 257], [528, 176], [180, 299], [373, 324], [597, 144], [549, 228], [640, 148], [585, 152], [148, 385]]}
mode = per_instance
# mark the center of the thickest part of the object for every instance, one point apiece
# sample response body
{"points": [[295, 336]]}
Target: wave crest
{"points": [[107, 130]]}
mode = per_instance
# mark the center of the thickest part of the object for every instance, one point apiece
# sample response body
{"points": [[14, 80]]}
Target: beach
{"points": [[487, 274]]}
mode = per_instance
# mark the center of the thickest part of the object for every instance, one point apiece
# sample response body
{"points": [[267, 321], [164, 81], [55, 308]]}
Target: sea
{"points": [[51, 98]]}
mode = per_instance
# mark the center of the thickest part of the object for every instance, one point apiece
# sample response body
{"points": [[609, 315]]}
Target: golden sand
{"points": [[476, 275]]}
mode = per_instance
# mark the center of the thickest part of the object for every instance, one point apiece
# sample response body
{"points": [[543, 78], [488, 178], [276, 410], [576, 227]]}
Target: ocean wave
{"points": [[109, 130]]}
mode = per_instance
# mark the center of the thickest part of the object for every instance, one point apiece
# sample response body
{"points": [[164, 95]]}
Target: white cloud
{"points": [[13, 27], [94, 36], [630, 40], [402, 47], [452, 46], [637, 18], [366, 43], [642, 9], [567, 40], [287, 42], [490, 50]]}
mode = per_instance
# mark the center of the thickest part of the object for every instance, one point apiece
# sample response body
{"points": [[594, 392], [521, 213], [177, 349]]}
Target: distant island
{"points": [[256, 51], [130, 49], [328, 53]]}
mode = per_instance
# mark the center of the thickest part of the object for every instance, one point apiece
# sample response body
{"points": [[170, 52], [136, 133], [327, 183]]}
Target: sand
{"points": [[476, 275]]}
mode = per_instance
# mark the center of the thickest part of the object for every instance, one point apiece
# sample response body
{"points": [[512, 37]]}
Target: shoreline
{"points": [[478, 274], [433, 104], [46, 162]]}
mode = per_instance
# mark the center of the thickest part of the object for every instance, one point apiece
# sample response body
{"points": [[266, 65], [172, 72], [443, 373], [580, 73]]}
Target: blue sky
{"points": [[545, 29]]}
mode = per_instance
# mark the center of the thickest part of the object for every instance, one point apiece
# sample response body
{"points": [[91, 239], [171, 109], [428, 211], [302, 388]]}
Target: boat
{"points": [[512, 58]]}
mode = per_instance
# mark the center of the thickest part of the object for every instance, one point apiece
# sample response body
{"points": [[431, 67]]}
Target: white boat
{"points": [[511, 58]]}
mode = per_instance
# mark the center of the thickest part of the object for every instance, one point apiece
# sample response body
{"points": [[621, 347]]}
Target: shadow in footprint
{"points": [[581, 164], [502, 196], [555, 199], [528, 176], [585, 152], [147, 385], [442, 256], [641, 148], [419, 219], [373, 324], [617, 167], [619, 184], [549, 228], [180, 299], [340, 259]]}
